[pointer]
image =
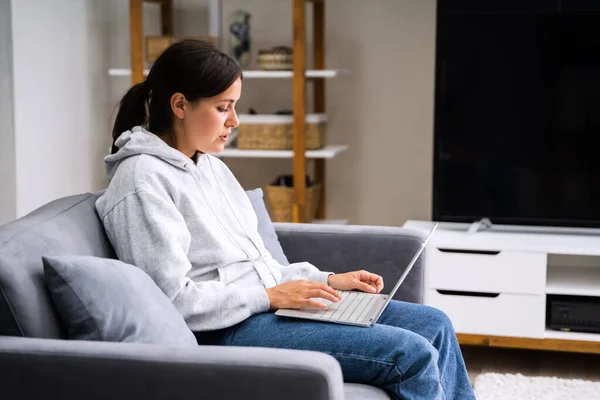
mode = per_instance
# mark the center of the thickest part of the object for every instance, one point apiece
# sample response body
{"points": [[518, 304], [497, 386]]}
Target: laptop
{"points": [[355, 308]]}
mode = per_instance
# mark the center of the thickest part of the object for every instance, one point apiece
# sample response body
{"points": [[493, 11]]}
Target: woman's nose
{"points": [[233, 120]]}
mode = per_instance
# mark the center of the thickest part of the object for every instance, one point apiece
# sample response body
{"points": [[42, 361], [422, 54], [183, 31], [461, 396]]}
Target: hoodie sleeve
{"points": [[149, 232], [297, 271]]}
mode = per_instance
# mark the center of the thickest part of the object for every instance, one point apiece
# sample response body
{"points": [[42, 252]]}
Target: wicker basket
{"points": [[275, 62], [276, 132], [282, 202], [278, 58]]}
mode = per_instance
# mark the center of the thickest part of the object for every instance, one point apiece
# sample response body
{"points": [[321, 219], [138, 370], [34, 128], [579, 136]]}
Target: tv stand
{"points": [[493, 284]]}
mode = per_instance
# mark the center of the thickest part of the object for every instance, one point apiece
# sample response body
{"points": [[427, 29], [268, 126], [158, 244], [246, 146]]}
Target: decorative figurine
{"points": [[240, 38]]}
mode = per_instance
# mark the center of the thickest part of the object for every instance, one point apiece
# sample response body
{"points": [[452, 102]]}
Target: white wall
{"points": [[385, 110], [8, 208], [61, 103]]}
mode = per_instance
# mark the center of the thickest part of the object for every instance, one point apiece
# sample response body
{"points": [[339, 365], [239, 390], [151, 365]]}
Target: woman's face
{"points": [[206, 124]]}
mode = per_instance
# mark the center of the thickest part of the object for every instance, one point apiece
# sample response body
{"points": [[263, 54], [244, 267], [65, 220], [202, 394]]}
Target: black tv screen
{"points": [[517, 112]]}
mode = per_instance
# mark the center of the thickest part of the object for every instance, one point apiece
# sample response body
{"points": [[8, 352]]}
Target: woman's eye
{"points": [[222, 109]]}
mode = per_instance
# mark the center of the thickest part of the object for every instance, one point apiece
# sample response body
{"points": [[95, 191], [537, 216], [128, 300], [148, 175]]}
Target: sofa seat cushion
{"points": [[107, 300], [356, 391]]}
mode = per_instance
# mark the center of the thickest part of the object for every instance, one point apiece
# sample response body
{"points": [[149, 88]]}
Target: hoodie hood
{"points": [[139, 141]]}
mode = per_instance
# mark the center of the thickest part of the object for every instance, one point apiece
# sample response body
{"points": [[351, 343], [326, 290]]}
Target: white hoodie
{"points": [[192, 229]]}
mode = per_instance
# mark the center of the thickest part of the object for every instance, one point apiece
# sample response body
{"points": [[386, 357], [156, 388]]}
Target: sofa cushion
{"points": [[266, 230], [68, 225], [111, 301], [357, 391]]}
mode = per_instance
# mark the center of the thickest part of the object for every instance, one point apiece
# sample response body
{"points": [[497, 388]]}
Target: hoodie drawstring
{"points": [[262, 277]]}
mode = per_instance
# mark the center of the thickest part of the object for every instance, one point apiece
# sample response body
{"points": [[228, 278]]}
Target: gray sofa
{"points": [[37, 360]]}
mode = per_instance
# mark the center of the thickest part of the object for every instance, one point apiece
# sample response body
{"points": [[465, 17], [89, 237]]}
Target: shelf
{"points": [[123, 72], [310, 73], [325, 73], [279, 119], [577, 281], [326, 152], [566, 335]]}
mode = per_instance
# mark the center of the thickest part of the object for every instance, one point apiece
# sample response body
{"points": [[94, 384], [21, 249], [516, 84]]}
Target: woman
{"points": [[180, 215]]}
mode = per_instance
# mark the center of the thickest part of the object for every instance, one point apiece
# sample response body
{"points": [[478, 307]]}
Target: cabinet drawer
{"points": [[494, 272], [505, 314]]}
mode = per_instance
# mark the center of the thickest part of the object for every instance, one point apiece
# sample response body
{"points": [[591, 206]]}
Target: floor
{"points": [[531, 363]]}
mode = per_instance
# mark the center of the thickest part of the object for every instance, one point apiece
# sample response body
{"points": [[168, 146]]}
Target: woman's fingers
{"points": [[365, 287], [322, 294], [314, 303], [328, 289], [377, 281]]}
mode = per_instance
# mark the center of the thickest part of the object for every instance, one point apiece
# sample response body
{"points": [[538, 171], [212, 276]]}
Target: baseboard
{"points": [[573, 346]]}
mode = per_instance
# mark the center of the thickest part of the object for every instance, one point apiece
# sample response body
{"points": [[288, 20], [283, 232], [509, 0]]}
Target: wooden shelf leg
{"points": [[319, 93], [136, 33], [299, 35], [320, 178], [166, 17]]}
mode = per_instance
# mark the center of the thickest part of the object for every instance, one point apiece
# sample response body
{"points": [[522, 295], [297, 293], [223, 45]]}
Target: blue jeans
{"points": [[411, 353]]}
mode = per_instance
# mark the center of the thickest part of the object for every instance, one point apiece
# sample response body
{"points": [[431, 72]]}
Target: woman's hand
{"points": [[361, 280], [298, 294]]}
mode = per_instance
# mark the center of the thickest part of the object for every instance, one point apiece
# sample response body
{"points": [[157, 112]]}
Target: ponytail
{"points": [[132, 112]]}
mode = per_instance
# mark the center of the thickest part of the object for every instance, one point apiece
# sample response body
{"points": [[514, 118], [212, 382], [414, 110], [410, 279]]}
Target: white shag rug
{"points": [[496, 386]]}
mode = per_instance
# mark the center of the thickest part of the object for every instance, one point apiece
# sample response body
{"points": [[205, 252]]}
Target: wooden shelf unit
{"points": [[300, 77]]}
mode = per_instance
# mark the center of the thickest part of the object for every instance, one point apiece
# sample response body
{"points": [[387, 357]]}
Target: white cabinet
{"points": [[486, 271], [503, 314], [495, 282]]}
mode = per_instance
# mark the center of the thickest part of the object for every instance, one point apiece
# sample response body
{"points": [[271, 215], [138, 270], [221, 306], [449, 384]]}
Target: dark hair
{"points": [[195, 68]]}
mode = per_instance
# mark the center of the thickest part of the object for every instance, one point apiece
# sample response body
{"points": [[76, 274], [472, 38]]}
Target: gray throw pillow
{"points": [[266, 230], [108, 300]]}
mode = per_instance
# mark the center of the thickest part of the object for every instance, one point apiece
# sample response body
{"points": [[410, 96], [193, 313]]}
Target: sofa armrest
{"points": [[385, 251], [33, 368]]}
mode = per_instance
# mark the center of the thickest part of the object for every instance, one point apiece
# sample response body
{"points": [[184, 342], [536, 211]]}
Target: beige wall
{"points": [[384, 110]]}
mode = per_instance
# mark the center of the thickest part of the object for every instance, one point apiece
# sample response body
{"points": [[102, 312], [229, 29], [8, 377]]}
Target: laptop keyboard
{"points": [[353, 306]]}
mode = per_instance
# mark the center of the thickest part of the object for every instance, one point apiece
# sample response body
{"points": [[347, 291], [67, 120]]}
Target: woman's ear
{"points": [[178, 103]]}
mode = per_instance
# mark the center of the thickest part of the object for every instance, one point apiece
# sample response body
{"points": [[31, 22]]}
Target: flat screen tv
{"points": [[517, 112]]}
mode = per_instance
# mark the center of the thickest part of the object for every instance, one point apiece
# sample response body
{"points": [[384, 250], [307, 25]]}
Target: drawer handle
{"points": [[469, 294], [482, 252]]}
